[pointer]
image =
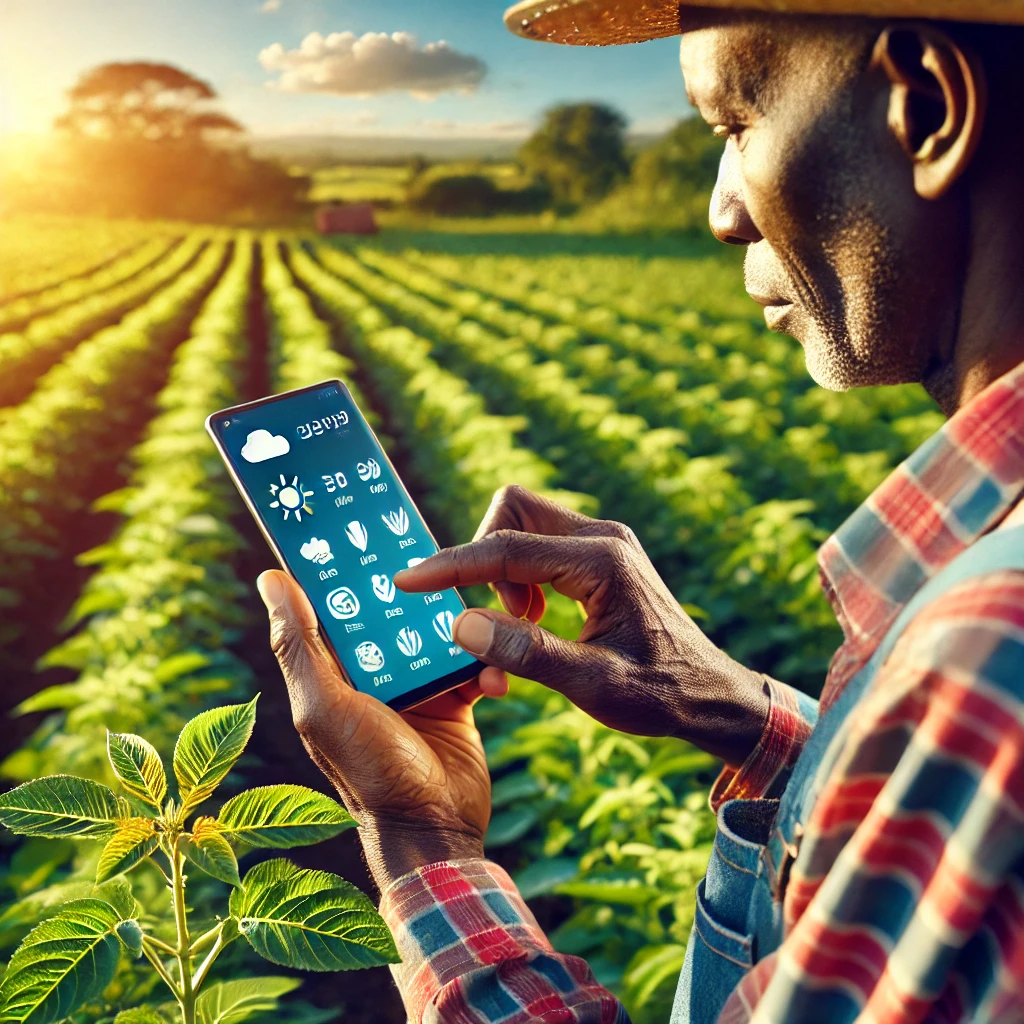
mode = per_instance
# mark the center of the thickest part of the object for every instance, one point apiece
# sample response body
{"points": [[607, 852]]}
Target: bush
{"points": [[462, 195]]}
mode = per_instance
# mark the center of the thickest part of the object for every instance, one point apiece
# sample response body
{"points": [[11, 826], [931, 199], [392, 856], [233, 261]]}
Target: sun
{"points": [[291, 497]]}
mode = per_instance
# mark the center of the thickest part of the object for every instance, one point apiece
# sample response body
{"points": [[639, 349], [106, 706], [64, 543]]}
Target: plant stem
{"points": [[184, 951], [161, 945], [207, 937], [153, 956], [204, 967]]}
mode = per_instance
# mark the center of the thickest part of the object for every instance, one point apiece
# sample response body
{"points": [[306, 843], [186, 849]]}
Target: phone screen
{"points": [[343, 524]]}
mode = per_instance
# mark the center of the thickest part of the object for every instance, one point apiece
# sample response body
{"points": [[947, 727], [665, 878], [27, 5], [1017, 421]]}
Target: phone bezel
{"points": [[404, 701]]}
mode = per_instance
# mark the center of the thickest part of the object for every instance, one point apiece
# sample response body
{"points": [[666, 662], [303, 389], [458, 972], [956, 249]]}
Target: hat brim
{"points": [[609, 22]]}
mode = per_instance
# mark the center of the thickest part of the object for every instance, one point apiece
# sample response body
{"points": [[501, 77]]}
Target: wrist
{"points": [[728, 717], [394, 848]]}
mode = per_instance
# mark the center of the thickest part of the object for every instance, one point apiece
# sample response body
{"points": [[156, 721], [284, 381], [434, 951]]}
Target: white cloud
{"points": [[271, 6], [348, 65], [261, 445]]}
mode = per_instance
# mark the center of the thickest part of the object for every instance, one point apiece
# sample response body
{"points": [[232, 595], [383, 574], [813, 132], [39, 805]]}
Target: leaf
{"points": [[178, 665], [542, 876], [63, 963], [207, 748], [231, 1002], [63, 805], [141, 1015], [209, 850], [282, 816], [310, 919], [138, 768], [134, 840], [629, 891], [508, 826], [651, 969]]}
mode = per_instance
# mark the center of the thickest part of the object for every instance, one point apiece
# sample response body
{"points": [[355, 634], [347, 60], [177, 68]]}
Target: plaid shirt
{"points": [[907, 900]]}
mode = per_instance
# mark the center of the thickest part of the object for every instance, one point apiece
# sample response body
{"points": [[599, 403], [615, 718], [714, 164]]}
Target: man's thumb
{"points": [[525, 649], [314, 683]]}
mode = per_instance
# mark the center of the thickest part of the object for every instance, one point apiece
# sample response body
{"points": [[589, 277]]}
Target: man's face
{"points": [[842, 252]]}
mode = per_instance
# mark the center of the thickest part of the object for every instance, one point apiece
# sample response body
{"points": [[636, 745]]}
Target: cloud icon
{"points": [[262, 445]]}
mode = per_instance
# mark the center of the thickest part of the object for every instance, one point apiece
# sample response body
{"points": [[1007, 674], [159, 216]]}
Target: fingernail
{"points": [[474, 632], [271, 590]]}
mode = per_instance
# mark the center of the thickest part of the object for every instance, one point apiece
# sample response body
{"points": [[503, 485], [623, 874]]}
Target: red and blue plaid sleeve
{"points": [[472, 953], [791, 717], [906, 902]]}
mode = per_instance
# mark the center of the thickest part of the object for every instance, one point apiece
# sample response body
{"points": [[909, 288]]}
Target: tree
{"points": [[683, 161], [579, 151], [143, 140], [155, 102]]}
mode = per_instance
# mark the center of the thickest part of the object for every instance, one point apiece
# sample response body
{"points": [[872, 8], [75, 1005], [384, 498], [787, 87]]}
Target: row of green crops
{"points": [[24, 356], [37, 253], [835, 447], [163, 603], [15, 315], [78, 419]]}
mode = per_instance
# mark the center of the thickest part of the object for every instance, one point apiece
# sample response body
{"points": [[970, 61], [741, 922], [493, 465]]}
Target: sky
{"points": [[337, 67]]}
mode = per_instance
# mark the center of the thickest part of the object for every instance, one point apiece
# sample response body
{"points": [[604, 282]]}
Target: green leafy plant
{"points": [[293, 916]]}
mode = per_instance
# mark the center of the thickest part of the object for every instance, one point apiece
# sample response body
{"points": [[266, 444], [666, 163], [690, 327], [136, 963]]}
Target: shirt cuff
{"points": [[451, 918], [791, 718]]}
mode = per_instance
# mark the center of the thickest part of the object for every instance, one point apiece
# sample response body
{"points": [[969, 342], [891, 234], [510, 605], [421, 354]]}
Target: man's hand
{"points": [[417, 783], [640, 665]]}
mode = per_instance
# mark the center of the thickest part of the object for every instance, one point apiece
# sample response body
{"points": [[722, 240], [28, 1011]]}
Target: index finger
{"points": [[574, 566]]}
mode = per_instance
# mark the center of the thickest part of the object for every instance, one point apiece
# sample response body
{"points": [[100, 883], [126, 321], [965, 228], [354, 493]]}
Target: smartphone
{"points": [[342, 523]]}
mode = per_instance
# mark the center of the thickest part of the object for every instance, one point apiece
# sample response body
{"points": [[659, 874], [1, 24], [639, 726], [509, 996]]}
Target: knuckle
{"points": [[619, 553], [527, 648], [620, 531]]}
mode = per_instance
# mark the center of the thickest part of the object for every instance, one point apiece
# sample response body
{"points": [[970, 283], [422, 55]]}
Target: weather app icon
{"points": [[318, 551], [443, 626], [370, 657], [342, 603], [356, 533], [291, 498], [397, 522], [383, 588], [369, 470], [261, 445], [410, 643]]}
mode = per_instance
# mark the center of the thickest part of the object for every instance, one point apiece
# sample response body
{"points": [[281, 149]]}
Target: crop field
{"points": [[631, 379]]}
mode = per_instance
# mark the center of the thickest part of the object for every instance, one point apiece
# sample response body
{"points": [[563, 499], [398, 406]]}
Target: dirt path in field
{"points": [[368, 996]]}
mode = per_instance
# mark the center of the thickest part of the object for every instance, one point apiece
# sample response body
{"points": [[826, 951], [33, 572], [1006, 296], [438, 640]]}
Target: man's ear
{"points": [[937, 101]]}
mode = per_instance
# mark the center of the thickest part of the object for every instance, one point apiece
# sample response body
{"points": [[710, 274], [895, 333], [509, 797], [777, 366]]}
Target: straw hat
{"points": [[603, 22]]}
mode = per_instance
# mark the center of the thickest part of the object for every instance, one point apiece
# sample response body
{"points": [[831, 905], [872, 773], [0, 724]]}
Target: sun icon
{"points": [[291, 497]]}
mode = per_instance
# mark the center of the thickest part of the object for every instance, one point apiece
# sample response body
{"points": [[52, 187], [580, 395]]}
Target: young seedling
{"points": [[290, 915]]}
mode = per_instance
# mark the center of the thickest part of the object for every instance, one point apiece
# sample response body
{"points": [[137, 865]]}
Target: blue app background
{"points": [[345, 525]]}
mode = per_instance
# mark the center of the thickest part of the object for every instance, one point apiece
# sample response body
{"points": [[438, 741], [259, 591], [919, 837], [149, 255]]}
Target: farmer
{"points": [[869, 861]]}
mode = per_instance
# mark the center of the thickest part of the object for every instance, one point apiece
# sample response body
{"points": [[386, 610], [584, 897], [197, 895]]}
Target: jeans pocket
{"points": [[722, 947], [735, 947]]}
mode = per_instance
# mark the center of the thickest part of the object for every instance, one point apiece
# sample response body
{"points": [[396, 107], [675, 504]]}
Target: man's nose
{"points": [[730, 221]]}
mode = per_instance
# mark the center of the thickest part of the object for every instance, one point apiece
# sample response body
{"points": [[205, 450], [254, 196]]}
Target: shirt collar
{"points": [[957, 486]]}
